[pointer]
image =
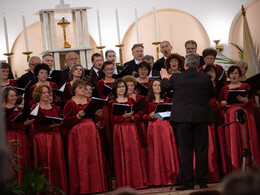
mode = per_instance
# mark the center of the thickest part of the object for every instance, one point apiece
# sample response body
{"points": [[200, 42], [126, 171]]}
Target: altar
{"points": [[80, 33]]}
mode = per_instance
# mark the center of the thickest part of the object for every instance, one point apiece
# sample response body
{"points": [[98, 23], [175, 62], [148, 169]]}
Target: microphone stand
{"points": [[246, 152]]}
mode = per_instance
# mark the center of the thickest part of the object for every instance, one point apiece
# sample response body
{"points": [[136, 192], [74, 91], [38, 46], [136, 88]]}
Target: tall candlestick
{"points": [[99, 29], [117, 25], [25, 33], [6, 34], [136, 25], [155, 23]]}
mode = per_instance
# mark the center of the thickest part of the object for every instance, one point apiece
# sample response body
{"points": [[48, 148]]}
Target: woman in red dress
{"points": [[5, 69], [143, 70], [41, 71], [86, 166], [47, 141], [140, 124], [108, 80], [108, 70], [128, 159], [216, 152], [233, 132], [75, 73], [163, 161], [16, 131], [209, 56]]}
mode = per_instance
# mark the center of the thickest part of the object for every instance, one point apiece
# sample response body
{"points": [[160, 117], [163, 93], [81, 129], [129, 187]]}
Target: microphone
{"points": [[240, 115]]}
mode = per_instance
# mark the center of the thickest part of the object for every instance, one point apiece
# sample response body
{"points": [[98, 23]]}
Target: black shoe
{"points": [[203, 186], [184, 187]]}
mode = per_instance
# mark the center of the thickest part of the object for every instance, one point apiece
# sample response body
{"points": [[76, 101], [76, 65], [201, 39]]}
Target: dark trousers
{"points": [[193, 136]]}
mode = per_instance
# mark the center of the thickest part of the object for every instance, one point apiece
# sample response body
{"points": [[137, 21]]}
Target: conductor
{"points": [[192, 114]]}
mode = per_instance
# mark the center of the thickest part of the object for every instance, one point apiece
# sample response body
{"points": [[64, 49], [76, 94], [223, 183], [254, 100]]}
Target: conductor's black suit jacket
{"points": [[191, 93]]}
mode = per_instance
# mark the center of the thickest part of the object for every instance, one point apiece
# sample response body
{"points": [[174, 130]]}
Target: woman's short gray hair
{"points": [[242, 63]]}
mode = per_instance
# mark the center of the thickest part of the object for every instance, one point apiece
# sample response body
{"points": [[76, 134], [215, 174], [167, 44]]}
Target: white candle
{"points": [[136, 25], [25, 33], [155, 23], [99, 29], [6, 34], [117, 25]]}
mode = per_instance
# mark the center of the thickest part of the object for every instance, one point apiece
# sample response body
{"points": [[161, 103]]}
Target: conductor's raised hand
{"points": [[164, 74]]}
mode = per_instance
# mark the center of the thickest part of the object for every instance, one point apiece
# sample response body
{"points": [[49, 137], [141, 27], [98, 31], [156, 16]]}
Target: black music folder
{"points": [[51, 120], [163, 107], [58, 92], [106, 90], [9, 111], [163, 111], [139, 105], [121, 109], [143, 89], [232, 96], [94, 105], [125, 71]]}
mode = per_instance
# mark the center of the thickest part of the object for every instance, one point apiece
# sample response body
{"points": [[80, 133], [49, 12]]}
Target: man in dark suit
{"points": [[111, 56], [71, 59], [29, 76], [150, 60], [165, 49], [95, 70], [28, 79], [54, 75], [191, 47], [192, 114], [138, 53]]}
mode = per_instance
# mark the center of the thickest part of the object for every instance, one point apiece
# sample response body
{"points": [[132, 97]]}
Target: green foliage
{"points": [[33, 183], [225, 60]]}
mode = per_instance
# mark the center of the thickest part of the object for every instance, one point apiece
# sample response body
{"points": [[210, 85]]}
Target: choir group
{"points": [[84, 147]]}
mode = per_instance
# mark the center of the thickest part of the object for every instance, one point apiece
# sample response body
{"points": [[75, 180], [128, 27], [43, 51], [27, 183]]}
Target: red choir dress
{"points": [[108, 137], [48, 149], [128, 159], [17, 131], [12, 83], [141, 125], [30, 93], [66, 95], [163, 160], [216, 151], [148, 83], [233, 132], [86, 165]]}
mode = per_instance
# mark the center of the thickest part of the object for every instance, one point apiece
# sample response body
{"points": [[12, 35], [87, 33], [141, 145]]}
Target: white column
{"points": [[42, 32], [82, 58], [79, 27], [75, 31], [87, 37], [47, 30], [57, 60], [53, 31], [85, 28]]}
